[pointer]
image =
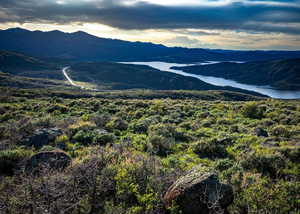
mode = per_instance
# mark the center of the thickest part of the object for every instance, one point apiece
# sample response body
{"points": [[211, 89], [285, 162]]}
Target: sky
{"points": [[217, 24]]}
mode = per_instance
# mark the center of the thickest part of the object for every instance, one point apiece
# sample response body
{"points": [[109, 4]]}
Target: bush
{"points": [[59, 108], [84, 137], [81, 126], [267, 196], [61, 141], [161, 145], [267, 164], [141, 126], [224, 164], [105, 138], [138, 187], [210, 149], [100, 120], [253, 110], [165, 130], [280, 131], [10, 160], [117, 123]]}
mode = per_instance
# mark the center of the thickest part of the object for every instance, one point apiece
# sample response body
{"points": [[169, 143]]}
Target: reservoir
{"points": [[266, 90]]}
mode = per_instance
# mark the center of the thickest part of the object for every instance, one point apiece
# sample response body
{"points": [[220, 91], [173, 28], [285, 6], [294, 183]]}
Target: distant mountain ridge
{"points": [[81, 46], [280, 74]]}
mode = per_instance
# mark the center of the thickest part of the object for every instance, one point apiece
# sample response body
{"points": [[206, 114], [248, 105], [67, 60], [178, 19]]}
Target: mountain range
{"points": [[80, 46]]}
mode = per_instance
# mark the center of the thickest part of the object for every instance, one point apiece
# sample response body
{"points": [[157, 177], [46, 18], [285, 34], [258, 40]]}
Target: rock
{"points": [[199, 193], [54, 160], [260, 132], [101, 131], [42, 137]]}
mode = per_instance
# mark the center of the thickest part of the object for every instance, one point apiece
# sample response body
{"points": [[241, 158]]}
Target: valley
{"points": [[91, 125]]}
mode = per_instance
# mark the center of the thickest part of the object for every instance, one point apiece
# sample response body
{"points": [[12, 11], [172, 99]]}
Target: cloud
{"points": [[183, 40], [193, 32], [253, 16]]}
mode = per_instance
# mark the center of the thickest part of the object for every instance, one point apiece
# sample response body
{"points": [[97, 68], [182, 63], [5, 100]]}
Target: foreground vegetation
{"points": [[128, 149]]}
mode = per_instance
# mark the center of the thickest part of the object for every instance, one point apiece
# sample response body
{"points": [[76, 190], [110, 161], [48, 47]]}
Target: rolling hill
{"points": [[101, 75], [280, 74], [23, 65], [118, 76]]}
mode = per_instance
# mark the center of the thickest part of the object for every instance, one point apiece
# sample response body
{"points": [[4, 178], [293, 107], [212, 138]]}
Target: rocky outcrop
{"points": [[53, 160], [199, 193], [42, 137]]}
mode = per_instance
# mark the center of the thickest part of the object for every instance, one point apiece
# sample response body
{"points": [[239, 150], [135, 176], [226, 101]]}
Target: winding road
{"points": [[64, 70]]}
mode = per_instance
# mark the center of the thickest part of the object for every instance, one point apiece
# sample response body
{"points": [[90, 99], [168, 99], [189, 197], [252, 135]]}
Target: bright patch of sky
{"points": [[230, 24]]}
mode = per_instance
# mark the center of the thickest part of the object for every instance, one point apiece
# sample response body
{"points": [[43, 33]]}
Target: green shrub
{"points": [[59, 108], [267, 164], [81, 126], [141, 126], [223, 164], [105, 138], [100, 119], [267, 196], [10, 160], [210, 149], [165, 130], [84, 137], [117, 123], [280, 131], [136, 187], [292, 153], [161, 145], [61, 141], [253, 110]]}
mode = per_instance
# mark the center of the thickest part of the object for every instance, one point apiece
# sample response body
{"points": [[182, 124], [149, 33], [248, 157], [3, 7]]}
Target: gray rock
{"points": [[53, 160], [42, 137], [199, 193], [101, 131]]}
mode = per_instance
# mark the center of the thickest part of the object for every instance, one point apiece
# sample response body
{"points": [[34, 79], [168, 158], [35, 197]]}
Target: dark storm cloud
{"points": [[239, 16]]}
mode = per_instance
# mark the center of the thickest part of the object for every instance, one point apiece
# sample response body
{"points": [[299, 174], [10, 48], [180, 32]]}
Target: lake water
{"points": [[266, 90]]}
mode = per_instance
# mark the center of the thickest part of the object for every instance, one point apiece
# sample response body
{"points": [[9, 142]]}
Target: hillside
{"points": [[118, 155], [101, 75], [23, 65], [21, 82], [80, 46], [116, 76], [280, 74]]}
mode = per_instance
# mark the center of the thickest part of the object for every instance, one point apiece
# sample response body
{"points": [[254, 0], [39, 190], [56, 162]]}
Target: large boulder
{"points": [[199, 192], [53, 160], [42, 137]]}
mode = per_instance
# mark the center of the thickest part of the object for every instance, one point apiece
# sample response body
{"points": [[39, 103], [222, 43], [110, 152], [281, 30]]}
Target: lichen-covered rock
{"points": [[199, 192], [53, 160], [42, 137]]}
